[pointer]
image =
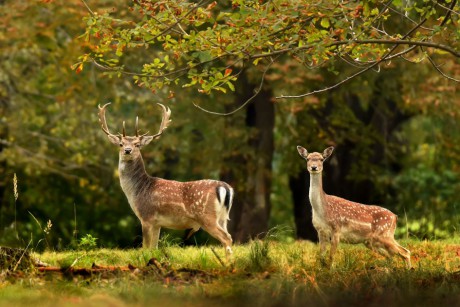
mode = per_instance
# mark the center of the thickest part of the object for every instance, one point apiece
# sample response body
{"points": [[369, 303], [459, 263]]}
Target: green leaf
{"points": [[231, 86], [325, 23]]}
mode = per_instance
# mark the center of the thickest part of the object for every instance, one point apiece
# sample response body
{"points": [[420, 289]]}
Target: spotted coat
{"points": [[337, 219]]}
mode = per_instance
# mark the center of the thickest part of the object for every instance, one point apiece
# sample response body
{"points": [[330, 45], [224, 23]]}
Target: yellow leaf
{"points": [[325, 23]]}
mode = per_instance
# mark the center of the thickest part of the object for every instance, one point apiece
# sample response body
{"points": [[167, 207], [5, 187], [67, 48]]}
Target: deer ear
{"points": [[302, 152], [146, 139], [114, 139], [327, 152]]}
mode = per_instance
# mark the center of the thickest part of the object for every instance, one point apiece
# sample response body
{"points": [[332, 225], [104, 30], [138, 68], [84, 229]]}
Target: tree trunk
{"points": [[248, 168]]}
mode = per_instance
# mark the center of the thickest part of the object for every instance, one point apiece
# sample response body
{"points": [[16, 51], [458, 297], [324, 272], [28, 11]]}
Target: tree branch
{"points": [[439, 70], [178, 21], [384, 58], [256, 92], [165, 75], [449, 12], [362, 42]]}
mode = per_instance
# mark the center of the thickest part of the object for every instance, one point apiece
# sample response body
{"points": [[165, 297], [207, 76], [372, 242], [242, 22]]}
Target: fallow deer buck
{"points": [[165, 203], [338, 219]]}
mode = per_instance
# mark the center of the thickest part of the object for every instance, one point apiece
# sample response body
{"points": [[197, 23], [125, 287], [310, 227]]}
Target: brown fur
{"points": [[172, 204]]}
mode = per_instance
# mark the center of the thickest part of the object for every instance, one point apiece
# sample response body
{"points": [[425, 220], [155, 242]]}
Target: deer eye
{"points": [[137, 145], [121, 144]]}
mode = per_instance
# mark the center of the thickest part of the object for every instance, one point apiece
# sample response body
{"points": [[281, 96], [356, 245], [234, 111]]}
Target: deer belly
{"points": [[175, 222], [353, 232]]}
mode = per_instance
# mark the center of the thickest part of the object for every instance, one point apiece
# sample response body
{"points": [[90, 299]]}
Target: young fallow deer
{"points": [[338, 219], [165, 203]]}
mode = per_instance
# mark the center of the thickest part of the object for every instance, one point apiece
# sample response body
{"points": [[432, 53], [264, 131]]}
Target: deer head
{"points": [[315, 159], [130, 145]]}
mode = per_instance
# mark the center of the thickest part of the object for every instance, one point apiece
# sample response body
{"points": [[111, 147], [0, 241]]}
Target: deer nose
{"points": [[314, 168], [128, 150]]}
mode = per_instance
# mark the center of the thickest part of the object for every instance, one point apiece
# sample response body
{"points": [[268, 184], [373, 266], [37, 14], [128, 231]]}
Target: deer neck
{"points": [[316, 193], [133, 177]]}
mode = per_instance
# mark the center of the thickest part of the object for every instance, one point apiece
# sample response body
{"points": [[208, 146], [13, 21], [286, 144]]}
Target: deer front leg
{"points": [[334, 243], [155, 236], [323, 240], [150, 235]]}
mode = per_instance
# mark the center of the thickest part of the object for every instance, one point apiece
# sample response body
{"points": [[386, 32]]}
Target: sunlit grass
{"points": [[259, 273]]}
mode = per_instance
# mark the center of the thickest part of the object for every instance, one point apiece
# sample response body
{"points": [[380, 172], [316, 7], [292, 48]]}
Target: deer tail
{"points": [[225, 197]]}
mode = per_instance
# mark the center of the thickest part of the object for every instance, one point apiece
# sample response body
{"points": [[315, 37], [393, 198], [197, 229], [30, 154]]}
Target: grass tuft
{"points": [[259, 259]]}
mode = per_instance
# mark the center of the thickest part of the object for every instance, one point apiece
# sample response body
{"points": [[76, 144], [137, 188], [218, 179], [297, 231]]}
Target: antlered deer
{"points": [[338, 219], [165, 203]]}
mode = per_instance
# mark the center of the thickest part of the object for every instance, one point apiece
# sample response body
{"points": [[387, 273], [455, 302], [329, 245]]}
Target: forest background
{"points": [[394, 126]]}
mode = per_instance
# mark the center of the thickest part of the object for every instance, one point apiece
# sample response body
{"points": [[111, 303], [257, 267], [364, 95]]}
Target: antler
{"points": [[165, 121], [102, 120]]}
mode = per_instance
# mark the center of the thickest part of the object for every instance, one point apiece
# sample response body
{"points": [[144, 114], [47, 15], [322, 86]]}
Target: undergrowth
{"points": [[260, 273]]}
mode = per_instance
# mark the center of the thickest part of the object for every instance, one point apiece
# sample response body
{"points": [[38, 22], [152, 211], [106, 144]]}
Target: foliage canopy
{"points": [[206, 45]]}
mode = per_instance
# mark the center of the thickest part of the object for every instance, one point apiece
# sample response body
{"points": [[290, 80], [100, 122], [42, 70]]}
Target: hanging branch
{"points": [[256, 92], [436, 66], [384, 58]]}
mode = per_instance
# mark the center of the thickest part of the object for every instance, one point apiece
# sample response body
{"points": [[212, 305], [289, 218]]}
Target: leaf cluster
{"points": [[206, 45]]}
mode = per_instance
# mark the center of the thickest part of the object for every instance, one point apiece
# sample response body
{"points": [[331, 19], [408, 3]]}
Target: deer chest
{"points": [[320, 223]]}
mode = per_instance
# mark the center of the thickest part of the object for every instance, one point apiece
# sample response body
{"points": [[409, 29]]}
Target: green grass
{"points": [[261, 273]]}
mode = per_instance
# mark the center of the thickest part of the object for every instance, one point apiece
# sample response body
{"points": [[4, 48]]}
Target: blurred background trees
{"points": [[394, 128]]}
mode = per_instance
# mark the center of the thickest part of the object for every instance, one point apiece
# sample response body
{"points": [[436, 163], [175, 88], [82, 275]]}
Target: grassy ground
{"points": [[262, 273]]}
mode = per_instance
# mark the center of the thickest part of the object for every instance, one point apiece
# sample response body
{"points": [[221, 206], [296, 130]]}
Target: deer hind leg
{"points": [[223, 224], [404, 253], [222, 235], [375, 246], [392, 247], [190, 233]]}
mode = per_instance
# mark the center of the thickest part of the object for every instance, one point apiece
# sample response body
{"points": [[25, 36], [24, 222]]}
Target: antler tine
{"points": [[165, 121], [124, 130], [137, 129], [102, 119]]}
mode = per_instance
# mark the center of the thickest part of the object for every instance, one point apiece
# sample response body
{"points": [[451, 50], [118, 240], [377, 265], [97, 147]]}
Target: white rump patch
{"points": [[222, 192], [230, 203], [222, 214]]}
